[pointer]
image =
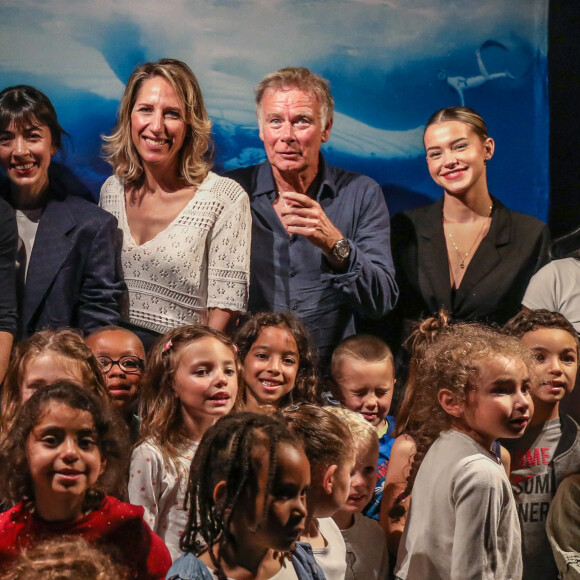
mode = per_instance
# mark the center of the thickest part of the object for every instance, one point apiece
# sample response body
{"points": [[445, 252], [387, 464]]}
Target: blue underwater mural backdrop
{"points": [[391, 63]]}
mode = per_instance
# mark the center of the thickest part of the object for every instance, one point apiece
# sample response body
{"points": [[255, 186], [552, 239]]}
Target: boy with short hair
{"points": [[549, 450], [363, 375], [122, 357], [367, 556]]}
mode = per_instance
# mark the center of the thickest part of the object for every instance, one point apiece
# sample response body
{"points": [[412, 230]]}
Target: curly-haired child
{"points": [[463, 520], [279, 361], [66, 558], [62, 444]]}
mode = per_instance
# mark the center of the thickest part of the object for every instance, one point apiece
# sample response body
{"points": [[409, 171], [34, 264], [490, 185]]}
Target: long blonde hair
{"points": [[196, 151]]}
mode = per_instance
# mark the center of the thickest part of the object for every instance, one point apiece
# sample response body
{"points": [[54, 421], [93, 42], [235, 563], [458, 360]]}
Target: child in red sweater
{"points": [[61, 446]]}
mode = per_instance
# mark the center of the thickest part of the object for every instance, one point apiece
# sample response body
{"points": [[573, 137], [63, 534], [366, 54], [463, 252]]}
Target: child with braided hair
{"points": [[247, 504], [463, 524]]}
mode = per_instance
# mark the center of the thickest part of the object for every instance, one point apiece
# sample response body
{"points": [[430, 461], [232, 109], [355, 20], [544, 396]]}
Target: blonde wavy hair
{"points": [[196, 152], [298, 77]]}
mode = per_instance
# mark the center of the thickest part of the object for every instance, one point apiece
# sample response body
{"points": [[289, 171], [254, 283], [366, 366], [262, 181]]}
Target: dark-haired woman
{"points": [[467, 251], [66, 264]]}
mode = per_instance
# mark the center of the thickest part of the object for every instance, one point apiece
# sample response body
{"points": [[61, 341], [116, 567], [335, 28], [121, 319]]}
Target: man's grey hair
{"points": [[298, 77]]}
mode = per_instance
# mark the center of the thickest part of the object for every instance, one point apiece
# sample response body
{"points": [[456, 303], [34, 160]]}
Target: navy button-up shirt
{"points": [[290, 273]]}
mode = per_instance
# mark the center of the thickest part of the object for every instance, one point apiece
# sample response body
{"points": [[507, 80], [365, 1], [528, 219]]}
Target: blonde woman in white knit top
{"points": [[186, 231]]}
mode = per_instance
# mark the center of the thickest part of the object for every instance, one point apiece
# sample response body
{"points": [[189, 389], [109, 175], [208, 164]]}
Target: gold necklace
{"points": [[452, 240]]}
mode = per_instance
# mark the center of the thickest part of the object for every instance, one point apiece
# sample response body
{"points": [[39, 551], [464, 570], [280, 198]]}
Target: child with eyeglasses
{"points": [[121, 356]]}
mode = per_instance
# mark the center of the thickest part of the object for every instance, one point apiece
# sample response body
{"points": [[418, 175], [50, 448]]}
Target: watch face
{"points": [[342, 249]]}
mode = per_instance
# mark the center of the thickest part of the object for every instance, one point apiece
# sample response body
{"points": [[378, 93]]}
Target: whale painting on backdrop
{"points": [[391, 63]]}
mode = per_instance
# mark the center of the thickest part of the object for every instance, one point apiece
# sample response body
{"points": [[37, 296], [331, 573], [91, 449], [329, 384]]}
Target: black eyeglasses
{"points": [[129, 364]]}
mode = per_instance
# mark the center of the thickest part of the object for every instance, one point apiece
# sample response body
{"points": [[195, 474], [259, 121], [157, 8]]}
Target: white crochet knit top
{"points": [[201, 260]]}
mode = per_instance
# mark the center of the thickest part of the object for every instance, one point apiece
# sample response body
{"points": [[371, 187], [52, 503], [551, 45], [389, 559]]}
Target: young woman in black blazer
{"points": [[467, 251]]}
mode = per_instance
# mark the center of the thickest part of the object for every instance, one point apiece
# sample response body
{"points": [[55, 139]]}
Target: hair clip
{"points": [[167, 347]]}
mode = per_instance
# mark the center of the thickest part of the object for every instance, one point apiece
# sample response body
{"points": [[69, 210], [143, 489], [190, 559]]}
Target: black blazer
{"points": [[494, 282], [73, 275], [8, 246]]}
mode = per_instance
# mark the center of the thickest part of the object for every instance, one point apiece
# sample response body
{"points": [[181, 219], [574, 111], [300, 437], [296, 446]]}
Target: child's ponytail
{"points": [[453, 361], [426, 333]]}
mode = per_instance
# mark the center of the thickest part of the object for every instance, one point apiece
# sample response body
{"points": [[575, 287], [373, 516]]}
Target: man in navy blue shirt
{"points": [[320, 235]]}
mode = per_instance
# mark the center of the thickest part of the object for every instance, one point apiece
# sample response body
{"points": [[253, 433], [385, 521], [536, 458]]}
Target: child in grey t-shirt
{"points": [[550, 448]]}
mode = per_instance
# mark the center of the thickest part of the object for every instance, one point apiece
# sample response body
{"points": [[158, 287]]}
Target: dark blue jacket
{"points": [[74, 277], [8, 246]]}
